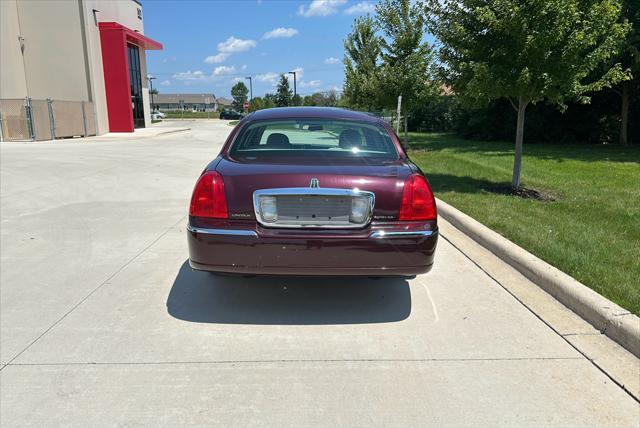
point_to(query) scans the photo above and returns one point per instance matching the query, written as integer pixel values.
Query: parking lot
(103, 321)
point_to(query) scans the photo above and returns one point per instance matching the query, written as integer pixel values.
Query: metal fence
(26, 119)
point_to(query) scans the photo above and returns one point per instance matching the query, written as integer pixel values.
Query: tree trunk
(517, 162)
(624, 114)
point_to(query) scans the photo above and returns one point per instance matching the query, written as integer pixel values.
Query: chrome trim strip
(381, 234)
(232, 232)
(320, 191)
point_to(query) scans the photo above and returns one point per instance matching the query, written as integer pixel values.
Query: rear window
(313, 137)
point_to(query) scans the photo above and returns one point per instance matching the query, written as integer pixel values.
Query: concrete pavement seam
(85, 298)
(329, 360)
(602, 369)
(170, 132)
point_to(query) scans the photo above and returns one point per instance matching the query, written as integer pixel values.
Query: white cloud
(216, 59)
(166, 83)
(223, 69)
(243, 68)
(191, 76)
(230, 46)
(321, 8)
(236, 80)
(300, 82)
(360, 8)
(299, 72)
(233, 45)
(280, 32)
(331, 60)
(270, 77)
(310, 84)
(198, 76)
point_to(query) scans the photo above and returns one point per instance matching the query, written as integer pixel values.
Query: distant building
(192, 102)
(225, 103)
(80, 63)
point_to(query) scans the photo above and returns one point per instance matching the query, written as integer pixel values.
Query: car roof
(312, 112)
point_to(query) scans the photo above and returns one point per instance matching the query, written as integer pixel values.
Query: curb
(612, 320)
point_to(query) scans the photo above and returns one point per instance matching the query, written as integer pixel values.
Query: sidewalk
(137, 134)
(152, 131)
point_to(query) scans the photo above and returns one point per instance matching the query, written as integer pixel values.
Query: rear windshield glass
(313, 137)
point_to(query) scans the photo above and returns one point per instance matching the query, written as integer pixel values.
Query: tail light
(418, 202)
(209, 199)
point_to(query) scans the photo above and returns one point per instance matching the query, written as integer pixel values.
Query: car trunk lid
(385, 178)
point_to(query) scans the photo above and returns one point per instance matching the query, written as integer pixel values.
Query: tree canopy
(284, 95)
(239, 93)
(534, 50)
(387, 56)
(269, 100)
(406, 56)
(527, 51)
(361, 61)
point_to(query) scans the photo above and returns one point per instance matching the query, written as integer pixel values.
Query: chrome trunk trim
(381, 234)
(232, 232)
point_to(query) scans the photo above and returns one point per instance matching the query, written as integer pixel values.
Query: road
(104, 323)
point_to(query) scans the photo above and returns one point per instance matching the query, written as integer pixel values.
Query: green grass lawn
(188, 114)
(592, 229)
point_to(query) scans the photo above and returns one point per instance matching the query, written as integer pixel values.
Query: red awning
(132, 36)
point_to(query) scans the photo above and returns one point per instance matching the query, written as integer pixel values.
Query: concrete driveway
(104, 323)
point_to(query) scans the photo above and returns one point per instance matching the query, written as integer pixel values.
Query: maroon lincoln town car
(312, 191)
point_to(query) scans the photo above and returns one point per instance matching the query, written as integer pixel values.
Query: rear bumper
(389, 249)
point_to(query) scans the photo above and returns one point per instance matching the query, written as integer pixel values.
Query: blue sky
(208, 45)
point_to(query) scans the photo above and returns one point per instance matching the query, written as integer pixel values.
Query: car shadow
(205, 298)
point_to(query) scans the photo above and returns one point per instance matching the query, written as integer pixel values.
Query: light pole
(295, 92)
(250, 88)
(151, 79)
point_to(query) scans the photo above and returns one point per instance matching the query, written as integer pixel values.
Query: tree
(379, 68)
(324, 99)
(283, 92)
(308, 101)
(526, 52)
(269, 100)
(239, 92)
(361, 62)
(406, 58)
(331, 98)
(256, 104)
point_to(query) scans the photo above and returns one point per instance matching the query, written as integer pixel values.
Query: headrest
(278, 140)
(349, 138)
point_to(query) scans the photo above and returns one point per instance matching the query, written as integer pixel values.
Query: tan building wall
(124, 12)
(54, 53)
(62, 53)
(12, 77)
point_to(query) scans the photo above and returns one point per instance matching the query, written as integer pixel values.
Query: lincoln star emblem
(314, 183)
